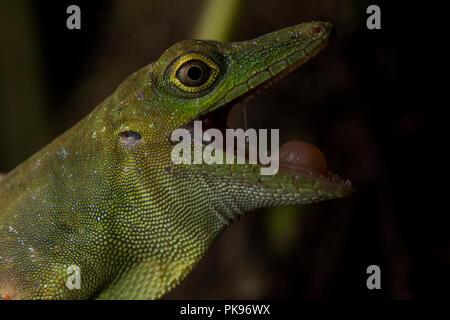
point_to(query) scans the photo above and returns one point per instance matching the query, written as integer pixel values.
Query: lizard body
(105, 195)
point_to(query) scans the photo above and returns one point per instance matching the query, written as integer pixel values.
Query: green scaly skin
(106, 196)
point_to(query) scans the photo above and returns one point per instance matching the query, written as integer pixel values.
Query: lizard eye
(194, 72)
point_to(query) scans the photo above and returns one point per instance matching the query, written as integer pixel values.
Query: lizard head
(203, 80)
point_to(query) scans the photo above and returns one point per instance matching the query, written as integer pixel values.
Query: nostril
(294, 35)
(317, 29)
(130, 138)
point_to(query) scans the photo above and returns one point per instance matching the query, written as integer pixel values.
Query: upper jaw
(255, 64)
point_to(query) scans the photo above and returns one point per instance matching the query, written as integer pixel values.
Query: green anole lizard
(106, 197)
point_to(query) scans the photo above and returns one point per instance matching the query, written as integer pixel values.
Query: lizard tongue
(300, 156)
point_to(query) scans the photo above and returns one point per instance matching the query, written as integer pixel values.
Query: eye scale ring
(194, 72)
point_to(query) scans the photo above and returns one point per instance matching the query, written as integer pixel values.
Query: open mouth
(298, 158)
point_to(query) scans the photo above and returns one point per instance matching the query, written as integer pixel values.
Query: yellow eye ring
(194, 72)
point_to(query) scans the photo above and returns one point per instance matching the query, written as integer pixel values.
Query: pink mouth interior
(300, 156)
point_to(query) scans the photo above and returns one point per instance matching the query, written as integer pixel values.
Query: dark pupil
(194, 73)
